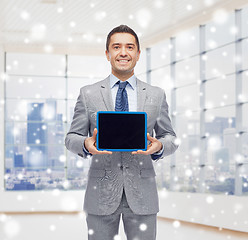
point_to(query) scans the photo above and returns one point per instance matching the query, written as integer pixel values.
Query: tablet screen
(121, 131)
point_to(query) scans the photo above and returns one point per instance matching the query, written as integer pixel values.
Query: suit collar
(107, 95)
(132, 81)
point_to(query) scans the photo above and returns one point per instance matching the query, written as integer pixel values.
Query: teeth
(123, 60)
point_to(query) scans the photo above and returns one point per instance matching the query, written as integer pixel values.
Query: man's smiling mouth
(123, 60)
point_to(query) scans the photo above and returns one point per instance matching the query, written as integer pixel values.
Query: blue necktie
(121, 101)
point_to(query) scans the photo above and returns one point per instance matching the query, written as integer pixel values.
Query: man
(121, 183)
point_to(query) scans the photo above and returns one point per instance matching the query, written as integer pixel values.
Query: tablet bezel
(120, 150)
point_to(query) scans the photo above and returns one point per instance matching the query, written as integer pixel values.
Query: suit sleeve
(79, 127)
(163, 129)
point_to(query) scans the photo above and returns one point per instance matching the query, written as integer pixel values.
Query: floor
(73, 227)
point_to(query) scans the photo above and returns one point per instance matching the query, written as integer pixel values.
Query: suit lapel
(106, 94)
(141, 95)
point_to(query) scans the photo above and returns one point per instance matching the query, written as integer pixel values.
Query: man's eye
(116, 47)
(130, 47)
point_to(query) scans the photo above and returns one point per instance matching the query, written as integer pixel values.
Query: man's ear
(107, 55)
(138, 55)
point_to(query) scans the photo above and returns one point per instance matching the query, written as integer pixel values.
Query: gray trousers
(137, 227)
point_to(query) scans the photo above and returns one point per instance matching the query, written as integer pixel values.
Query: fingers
(142, 152)
(104, 152)
(147, 152)
(93, 150)
(137, 152)
(151, 148)
(94, 133)
(150, 138)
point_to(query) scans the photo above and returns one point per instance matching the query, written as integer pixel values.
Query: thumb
(94, 133)
(150, 138)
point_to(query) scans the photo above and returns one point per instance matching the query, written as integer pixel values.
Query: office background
(195, 50)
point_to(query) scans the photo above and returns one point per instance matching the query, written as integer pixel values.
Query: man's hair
(122, 29)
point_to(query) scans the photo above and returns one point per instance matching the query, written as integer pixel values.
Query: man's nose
(123, 51)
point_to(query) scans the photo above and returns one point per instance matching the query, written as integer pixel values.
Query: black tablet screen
(121, 131)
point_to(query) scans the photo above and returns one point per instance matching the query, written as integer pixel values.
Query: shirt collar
(131, 81)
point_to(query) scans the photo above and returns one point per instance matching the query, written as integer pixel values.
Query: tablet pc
(121, 131)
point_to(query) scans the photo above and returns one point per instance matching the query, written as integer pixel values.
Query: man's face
(123, 54)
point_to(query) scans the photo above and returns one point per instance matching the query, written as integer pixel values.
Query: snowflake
(214, 143)
(99, 16)
(56, 192)
(52, 227)
(38, 31)
(69, 203)
(209, 199)
(188, 172)
(19, 197)
(66, 184)
(20, 176)
(177, 141)
(222, 178)
(62, 158)
(195, 152)
(143, 17)
(79, 163)
(3, 217)
(158, 3)
(60, 9)
(48, 48)
(11, 228)
(208, 3)
(143, 227)
(212, 44)
(189, 7)
(91, 232)
(220, 16)
(176, 224)
(25, 15)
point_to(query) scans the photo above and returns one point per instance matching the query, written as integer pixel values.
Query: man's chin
(124, 71)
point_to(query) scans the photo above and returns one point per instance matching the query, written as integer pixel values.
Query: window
(161, 78)
(187, 44)
(211, 105)
(220, 61)
(220, 31)
(40, 101)
(160, 54)
(187, 71)
(225, 94)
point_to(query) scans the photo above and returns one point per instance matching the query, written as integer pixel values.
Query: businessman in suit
(121, 183)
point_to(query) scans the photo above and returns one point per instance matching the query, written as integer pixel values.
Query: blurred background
(196, 50)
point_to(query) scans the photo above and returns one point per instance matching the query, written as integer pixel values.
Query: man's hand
(90, 144)
(154, 146)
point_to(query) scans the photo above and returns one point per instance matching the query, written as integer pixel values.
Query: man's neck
(123, 77)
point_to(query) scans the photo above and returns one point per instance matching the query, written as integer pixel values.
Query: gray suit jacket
(109, 174)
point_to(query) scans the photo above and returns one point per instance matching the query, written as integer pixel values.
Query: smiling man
(121, 183)
(123, 52)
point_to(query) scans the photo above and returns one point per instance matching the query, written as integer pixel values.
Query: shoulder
(151, 89)
(93, 87)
